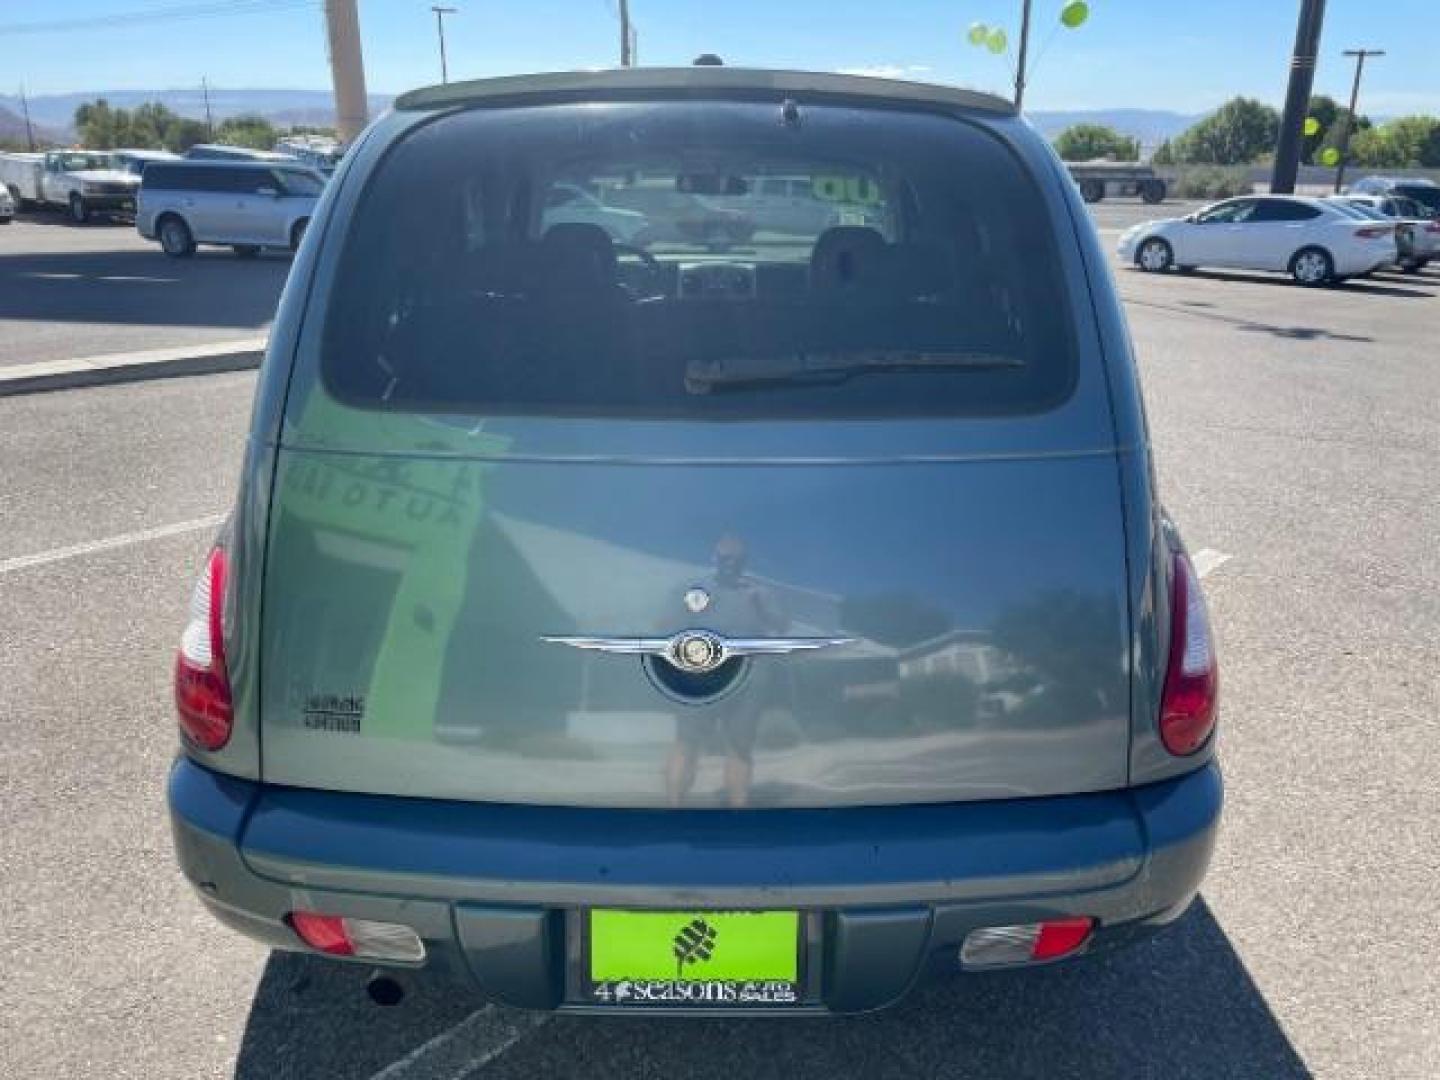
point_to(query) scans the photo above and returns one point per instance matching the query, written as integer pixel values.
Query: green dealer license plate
(694, 958)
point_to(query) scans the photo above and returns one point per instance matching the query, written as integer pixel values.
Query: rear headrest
(577, 257)
(847, 257)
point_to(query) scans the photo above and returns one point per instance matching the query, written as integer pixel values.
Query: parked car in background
(319, 152)
(81, 182)
(571, 203)
(1310, 239)
(134, 161)
(657, 628)
(222, 152)
(1425, 192)
(1416, 228)
(246, 205)
(7, 206)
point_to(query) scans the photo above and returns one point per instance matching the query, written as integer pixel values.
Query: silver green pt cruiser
(698, 551)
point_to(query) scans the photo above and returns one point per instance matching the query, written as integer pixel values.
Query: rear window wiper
(828, 368)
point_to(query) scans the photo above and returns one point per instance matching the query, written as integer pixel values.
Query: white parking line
(74, 551)
(470, 1045)
(1208, 560)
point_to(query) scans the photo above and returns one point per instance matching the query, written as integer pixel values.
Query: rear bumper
(887, 894)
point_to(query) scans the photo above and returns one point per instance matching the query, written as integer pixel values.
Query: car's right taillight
(202, 685)
(1190, 700)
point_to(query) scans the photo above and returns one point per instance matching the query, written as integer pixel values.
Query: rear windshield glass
(700, 260)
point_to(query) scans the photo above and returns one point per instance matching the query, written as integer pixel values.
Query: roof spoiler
(702, 80)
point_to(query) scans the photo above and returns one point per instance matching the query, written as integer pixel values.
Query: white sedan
(1315, 243)
(570, 204)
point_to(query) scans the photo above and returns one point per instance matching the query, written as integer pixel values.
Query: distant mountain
(286, 107)
(317, 107)
(1150, 126)
(12, 129)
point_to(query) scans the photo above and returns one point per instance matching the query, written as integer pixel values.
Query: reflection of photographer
(739, 606)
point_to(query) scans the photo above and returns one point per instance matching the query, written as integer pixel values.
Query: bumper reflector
(342, 936)
(1027, 943)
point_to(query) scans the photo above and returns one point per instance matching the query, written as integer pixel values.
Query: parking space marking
(470, 1045)
(74, 551)
(1208, 560)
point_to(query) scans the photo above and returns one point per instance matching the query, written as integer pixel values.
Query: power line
(172, 13)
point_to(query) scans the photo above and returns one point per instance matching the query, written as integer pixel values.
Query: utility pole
(1360, 55)
(209, 120)
(1297, 97)
(347, 69)
(29, 127)
(440, 13)
(627, 41)
(1024, 52)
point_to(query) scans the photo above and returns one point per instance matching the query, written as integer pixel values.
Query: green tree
(1164, 154)
(1409, 142)
(185, 133)
(150, 126)
(1238, 133)
(254, 132)
(1087, 142)
(100, 126)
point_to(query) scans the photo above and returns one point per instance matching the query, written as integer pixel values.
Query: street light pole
(1297, 97)
(1344, 148)
(440, 13)
(1024, 52)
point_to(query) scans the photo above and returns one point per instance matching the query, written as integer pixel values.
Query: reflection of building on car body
(80, 182)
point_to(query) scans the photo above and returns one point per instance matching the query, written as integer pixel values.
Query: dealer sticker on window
(694, 958)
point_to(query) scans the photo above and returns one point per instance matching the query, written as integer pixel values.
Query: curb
(131, 367)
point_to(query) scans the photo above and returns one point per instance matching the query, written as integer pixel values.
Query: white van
(247, 205)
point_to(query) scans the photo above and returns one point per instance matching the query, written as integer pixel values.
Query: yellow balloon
(1312, 126)
(1074, 14)
(997, 41)
(978, 33)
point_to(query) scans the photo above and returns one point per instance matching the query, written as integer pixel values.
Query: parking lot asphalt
(1297, 436)
(74, 291)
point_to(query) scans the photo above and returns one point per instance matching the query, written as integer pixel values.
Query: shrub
(1211, 183)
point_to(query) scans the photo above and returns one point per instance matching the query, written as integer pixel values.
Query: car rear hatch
(870, 444)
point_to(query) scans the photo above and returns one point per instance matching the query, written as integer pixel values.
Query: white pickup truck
(78, 181)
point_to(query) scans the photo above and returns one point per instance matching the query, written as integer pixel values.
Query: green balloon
(1330, 156)
(978, 33)
(997, 41)
(1312, 126)
(1075, 13)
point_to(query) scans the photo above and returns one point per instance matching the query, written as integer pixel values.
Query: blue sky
(1165, 54)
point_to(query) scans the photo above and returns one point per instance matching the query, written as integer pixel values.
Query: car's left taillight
(1190, 700)
(202, 684)
(1376, 232)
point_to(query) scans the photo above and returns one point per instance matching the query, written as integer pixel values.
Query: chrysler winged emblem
(697, 652)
